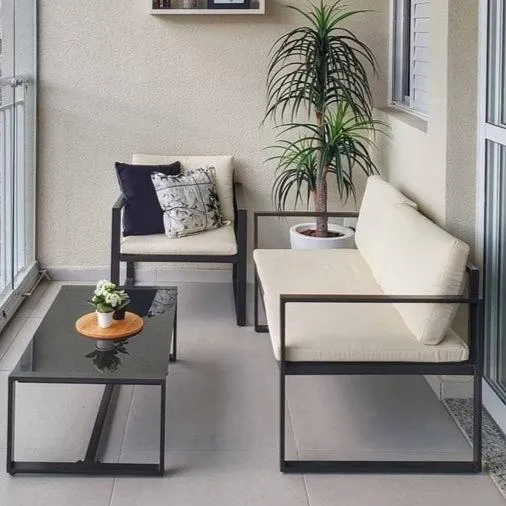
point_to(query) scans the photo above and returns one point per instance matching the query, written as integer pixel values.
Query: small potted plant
(106, 300)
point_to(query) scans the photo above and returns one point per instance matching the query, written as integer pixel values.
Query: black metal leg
(240, 289)
(282, 407)
(477, 421)
(115, 245)
(11, 410)
(130, 273)
(162, 428)
(258, 327)
(234, 281)
(240, 271)
(96, 433)
(173, 355)
(255, 302)
(115, 269)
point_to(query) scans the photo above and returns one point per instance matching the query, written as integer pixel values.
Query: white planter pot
(301, 241)
(104, 319)
(350, 223)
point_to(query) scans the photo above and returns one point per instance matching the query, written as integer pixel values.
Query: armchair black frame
(239, 260)
(471, 367)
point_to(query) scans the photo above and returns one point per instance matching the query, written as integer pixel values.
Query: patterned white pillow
(189, 202)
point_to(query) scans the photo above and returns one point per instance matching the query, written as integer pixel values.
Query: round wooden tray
(87, 326)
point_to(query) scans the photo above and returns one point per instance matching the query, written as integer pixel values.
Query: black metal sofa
(379, 321)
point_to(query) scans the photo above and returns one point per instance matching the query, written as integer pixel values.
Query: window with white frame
(410, 59)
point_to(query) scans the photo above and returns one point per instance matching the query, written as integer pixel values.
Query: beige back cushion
(422, 259)
(373, 220)
(223, 164)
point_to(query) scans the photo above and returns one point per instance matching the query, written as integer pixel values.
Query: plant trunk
(322, 222)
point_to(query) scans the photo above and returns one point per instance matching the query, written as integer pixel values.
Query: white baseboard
(143, 274)
(451, 387)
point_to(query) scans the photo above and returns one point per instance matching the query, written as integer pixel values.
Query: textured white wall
(435, 164)
(462, 119)
(414, 157)
(115, 80)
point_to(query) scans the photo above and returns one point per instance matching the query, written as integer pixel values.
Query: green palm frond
(321, 69)
(340, 148)
(319, 65)
(296, 170)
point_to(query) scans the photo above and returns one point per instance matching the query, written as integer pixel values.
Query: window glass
(496, 103)
(410, 59)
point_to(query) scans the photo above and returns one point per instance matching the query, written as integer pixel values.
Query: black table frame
(90, 464)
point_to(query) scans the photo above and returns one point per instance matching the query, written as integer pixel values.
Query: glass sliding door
(495, 261)
(6, 143)
(17, 157)
(25, 135)
(493, 150)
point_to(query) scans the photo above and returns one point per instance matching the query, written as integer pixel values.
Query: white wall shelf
(259, 9)
(175, 12)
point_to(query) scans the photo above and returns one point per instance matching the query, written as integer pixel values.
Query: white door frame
(486, 131)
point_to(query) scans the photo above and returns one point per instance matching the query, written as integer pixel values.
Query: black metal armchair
(158, 248)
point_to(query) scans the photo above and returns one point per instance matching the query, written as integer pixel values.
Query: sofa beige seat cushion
(221, 241)
(340, 332)
(314, 272)
(223, 164)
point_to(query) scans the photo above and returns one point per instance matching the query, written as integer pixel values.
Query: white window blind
(419, 68)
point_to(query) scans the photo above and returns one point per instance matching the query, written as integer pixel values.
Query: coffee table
(58, 354)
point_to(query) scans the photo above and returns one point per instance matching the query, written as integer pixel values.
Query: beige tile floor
(221, 426)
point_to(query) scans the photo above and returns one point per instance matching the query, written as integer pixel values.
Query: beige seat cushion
(422, 259)
(373, 220)
(213, 242)
(223, 164)
(339, 332)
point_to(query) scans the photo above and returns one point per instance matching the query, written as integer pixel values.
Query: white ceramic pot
(301, 241)
(104, 319)
(350, 223)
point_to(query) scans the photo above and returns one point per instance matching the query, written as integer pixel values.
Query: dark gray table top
(58, 353)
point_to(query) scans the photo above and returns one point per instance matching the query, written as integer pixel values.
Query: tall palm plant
(321, 69)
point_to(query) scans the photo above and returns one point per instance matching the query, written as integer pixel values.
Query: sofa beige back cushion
(223, 164)
(379, 197)
(422, 259)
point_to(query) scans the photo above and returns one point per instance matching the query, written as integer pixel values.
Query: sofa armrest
(116, 237)
(116, 215)
(120, 202)
(376, 299)
(241, 220)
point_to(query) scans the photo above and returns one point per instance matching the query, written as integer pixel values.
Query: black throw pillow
(142, 213)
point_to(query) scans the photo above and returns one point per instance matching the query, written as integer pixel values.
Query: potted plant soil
(319, 71)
